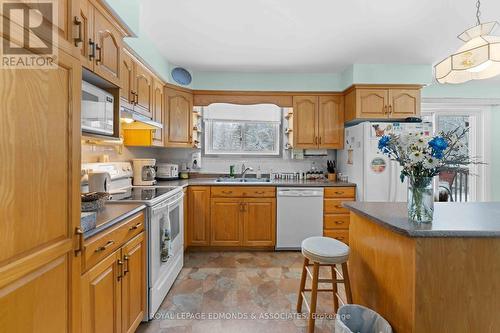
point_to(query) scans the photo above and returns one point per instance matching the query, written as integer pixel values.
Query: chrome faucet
(244, 170)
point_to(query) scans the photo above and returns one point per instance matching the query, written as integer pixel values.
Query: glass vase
(420, 200)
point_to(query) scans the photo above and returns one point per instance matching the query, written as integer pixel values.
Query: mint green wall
(266, 81)
(471, 89)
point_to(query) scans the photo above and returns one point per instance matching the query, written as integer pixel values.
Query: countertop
(277, 183)
(111, 214)
(451, 219)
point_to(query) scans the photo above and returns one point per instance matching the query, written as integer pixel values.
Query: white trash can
(352, 318)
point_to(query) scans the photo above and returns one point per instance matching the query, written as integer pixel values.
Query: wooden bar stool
(329, 252)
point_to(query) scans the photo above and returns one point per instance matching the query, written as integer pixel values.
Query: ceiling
(291, 36)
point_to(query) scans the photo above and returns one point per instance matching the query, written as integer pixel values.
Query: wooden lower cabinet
(248, 222)
(259, 222)
(336, 218)
(134, 255)
(113, 292)
(101, 296)
(199, 215)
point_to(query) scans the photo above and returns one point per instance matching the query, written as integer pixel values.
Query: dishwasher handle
(302, 192)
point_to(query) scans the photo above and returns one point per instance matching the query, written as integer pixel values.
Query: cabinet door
(158, 109)
(126, 78)
(259, 222)
(39, 209)
(305, 118)
(143, 89)
(225, 221)
(372, 103)
(101, 296)
(85, 33)
(179, 118)
(404, 103)
(133, 283)
(108, 48)
(199, 215)
(331, 122)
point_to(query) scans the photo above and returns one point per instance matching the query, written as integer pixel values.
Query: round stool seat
(325, 250)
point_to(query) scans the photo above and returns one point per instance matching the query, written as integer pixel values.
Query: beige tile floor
(242, 291)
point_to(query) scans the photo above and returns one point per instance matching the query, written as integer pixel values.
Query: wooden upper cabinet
(382, 102)
(134, 283)
(259, 222)
(373, 102)
(127, 78)
(305, 113)
(107, 48)
(143, 90)
(179, 121)
(38, 238)
(318, 122)
(331, 122)
(158, 111)
(225, 217)
(85, 28)
(101, 296)
(404, 103)
(199, 215)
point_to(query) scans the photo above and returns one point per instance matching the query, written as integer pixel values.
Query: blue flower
(438, 143)
(383, 143)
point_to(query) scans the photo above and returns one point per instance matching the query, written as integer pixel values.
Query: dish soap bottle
(258, 173)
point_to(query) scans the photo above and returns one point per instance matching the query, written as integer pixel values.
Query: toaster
(167, 171)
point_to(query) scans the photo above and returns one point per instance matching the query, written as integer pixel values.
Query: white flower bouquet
(422, 157)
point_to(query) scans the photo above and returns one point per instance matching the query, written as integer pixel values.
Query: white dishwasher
(300, 215)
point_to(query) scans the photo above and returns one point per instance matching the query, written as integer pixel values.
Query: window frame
(207, 143)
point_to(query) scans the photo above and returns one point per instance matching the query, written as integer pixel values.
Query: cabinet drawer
(334, 221)
(103, 244)
(341, 235)
(334, 206)
(243, 191)
(340, 192)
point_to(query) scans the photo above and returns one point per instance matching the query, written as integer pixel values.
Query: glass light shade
(478, 58)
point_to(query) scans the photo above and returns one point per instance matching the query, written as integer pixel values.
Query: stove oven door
(165, 249)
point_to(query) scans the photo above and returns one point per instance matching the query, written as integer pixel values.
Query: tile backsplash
(91, 153)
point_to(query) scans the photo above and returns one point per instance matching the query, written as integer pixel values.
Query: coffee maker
(144, 171)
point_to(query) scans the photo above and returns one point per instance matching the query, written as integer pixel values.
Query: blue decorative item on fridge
(181, 76)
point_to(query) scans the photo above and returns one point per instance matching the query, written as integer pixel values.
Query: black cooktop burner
(143, 193)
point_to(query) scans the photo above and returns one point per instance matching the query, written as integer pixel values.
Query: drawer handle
(135, 227)
(227, 192)
(339, 222)
(338, 206)
(339, 192)
(104, 247)
(260, 192)
(339, 238)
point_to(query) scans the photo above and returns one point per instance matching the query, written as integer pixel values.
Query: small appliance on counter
(144, 171)
(165, 171)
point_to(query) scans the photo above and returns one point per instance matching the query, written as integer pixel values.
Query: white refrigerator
(377, 178)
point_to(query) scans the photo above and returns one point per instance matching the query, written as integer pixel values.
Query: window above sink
(251, 130)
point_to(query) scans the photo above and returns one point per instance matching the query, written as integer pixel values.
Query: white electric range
(164, 226)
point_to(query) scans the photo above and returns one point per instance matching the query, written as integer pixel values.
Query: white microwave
(97, 110)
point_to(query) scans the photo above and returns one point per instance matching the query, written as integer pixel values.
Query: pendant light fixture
(478, 58)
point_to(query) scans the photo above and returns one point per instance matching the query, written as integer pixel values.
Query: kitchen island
(439, 277)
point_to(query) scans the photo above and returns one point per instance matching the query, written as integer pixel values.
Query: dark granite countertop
(451, 219)
(277, 183)
(111, 214)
